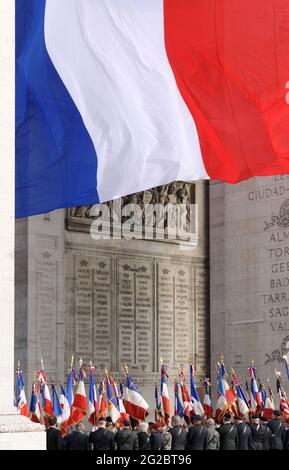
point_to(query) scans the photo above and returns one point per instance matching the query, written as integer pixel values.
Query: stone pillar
(249, 252)
(16, 432)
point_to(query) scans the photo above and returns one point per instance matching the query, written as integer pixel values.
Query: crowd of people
(236, 433)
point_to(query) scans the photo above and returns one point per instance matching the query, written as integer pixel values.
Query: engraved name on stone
(134, 315)
(173, 314)
(46, 285)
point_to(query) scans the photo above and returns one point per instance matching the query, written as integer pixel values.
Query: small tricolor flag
(79, 405)
(65, 411)
(256, 399)
(21, 401)
(112, 405)
(242, 404)
(179, 409)
(269, 407)
(207, 405)
(92, 400)
(198, 409)
(57, 410)
(166, 406)
(34, 409)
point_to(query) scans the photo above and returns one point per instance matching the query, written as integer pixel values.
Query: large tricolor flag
(163, 89)
(166, 406)
(134, 403)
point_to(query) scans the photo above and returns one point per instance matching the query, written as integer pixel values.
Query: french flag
(207, 405)
(167, 89)
(101, 400)
(112, 404)
(186, 399)
(21, 401)
(69, 387)
(222, 404)
(256, 399)
(269, 406)
(79, 405)
(243, 406)
(198, 409)
(123, 413)
(134, 403)
(34, 409)
(179, 409)
(65, 411)
(166, 406)
(57, 410)
(47, 408)
(92, 400)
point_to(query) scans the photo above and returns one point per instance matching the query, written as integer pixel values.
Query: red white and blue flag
(57, 410)
(242, 404)
(92, 399)
(65, 411)
(222, 404)
(34, 409)
(21, 401)
(186, 90)
(134, 403)
(101, 400)
(79, 405)
(112, 405)
(197, 405)
(256, 399)
(179, 409)
(269, 407)
(166, 406)
(207, 405)
(186, 399)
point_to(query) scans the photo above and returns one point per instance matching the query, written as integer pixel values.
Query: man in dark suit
(243, 432)
(258, 431)
(157, 436)
(77, 440)
(228, 434)
(54, 439)
(267, 435)
(278, 430)
(197, 437)
(179, 434)
(102, 438)
(125, 438)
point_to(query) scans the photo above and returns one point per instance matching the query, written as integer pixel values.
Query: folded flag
(114, 97)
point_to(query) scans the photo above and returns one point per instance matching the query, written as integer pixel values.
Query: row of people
(233, 434)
